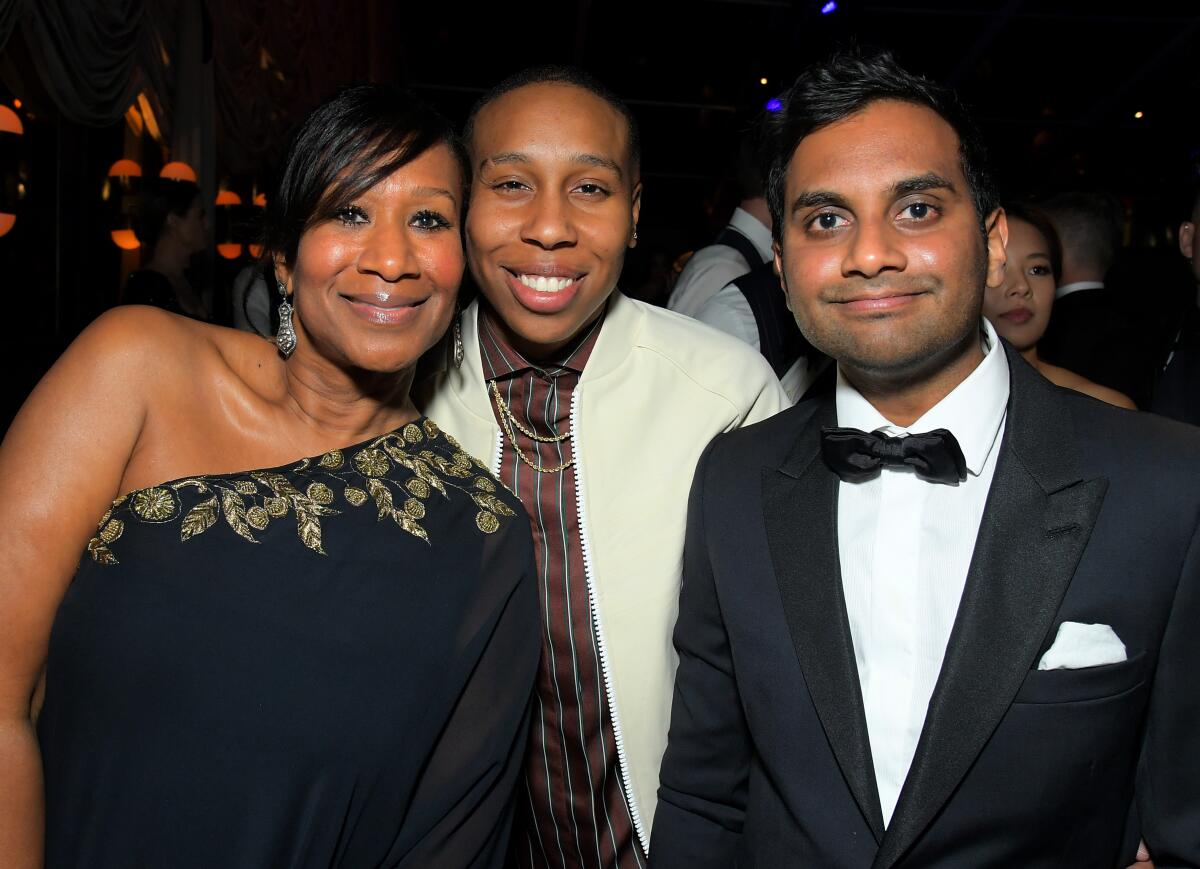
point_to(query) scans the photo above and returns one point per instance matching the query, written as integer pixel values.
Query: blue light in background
(831, 6)
(774, 105)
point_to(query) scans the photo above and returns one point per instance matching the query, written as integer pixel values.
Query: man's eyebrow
(818, 199)
(928, 181)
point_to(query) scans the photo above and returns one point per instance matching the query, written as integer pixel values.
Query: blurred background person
(251, 300)
(172, 225)
(1177, 393)
(1020, 307)
(743, 244)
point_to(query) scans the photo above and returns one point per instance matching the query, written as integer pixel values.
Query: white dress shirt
(905, 546)
(1067, 289)
(713, 267)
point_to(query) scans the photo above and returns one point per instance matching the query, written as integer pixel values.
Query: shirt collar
(501, 359)
(755, 230)
(1076, 286)
(973, 411)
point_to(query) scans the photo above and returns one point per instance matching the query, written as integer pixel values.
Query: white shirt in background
(712, 267)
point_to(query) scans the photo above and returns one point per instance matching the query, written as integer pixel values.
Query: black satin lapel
(1029, 545)
(800, 512)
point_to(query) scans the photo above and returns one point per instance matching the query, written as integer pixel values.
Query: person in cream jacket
(623, 398)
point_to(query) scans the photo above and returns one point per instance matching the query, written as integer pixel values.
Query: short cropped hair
(565, 75)
(1037, 218)
(1088, 225)
(345, 147)
(844, 85)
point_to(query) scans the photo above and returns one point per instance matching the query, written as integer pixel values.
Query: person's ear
(778, 252)
(283, 276)
(1187, 239)
(636, 213)
(996, 232)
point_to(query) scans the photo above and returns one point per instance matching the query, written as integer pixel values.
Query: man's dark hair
(844, 85)
(1089, 226)
(1037, 218)
(565, 75)
(158, 199)
(345, 147)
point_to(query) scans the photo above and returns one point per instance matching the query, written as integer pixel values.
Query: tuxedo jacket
(1092, 517)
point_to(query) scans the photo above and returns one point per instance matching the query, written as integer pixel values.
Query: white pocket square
(1079, 645)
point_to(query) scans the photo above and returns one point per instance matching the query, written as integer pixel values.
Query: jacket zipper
(630, 796)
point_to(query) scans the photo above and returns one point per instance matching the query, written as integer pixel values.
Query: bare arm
(61, 464)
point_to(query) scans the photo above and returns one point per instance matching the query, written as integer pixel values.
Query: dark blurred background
(1071, 95)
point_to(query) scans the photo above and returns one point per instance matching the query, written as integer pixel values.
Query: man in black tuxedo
(1177, 392)
(966, 634)
(1100, 328)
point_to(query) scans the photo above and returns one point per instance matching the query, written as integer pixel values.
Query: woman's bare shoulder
(1071, 380)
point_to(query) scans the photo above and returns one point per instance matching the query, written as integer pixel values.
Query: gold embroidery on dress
(249, 504)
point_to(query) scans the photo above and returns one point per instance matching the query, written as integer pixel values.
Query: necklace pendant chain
(509, 420)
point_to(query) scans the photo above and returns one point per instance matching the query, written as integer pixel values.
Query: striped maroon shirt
(572, 812)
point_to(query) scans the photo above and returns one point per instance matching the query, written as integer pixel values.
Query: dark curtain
(10, 11)
(86, 53)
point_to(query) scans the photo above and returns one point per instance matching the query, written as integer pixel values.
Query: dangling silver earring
(459, 353)
(285, 338)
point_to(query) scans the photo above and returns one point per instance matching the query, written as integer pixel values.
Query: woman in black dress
(304, 631)
(172, 227)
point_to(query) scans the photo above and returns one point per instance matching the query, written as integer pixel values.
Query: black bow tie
(858, 455)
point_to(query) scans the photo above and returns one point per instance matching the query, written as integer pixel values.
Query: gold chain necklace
(507, 418)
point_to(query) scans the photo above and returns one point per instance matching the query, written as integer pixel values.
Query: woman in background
(1019, 308)
(172, 227)
(304, 632)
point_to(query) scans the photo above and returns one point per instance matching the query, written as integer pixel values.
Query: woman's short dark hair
(1037, 218)
(552, 73)
(345, 147)
(158, 199)
(844, 85)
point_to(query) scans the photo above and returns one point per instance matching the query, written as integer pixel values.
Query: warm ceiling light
(17, 104)
(229, 250)
(9, 122)
(261, 200)
(6, 222)
(178, 171)
(228, 197)
(1138, 114)
(125, 168)
(255, 250)
(762, 80)
(125, 239)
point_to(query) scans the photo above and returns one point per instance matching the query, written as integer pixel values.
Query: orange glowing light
(228, 197)
(229, 250)
(125, 239)
(9, 122)
(255, 250)
(1139, 114)
(178, 171)
(17, 104)
(6, 222)
(261, 200)
(125, 168)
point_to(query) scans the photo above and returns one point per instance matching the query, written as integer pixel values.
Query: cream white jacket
(656, 389)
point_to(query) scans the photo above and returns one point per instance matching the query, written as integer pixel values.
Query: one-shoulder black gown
(325, 664)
